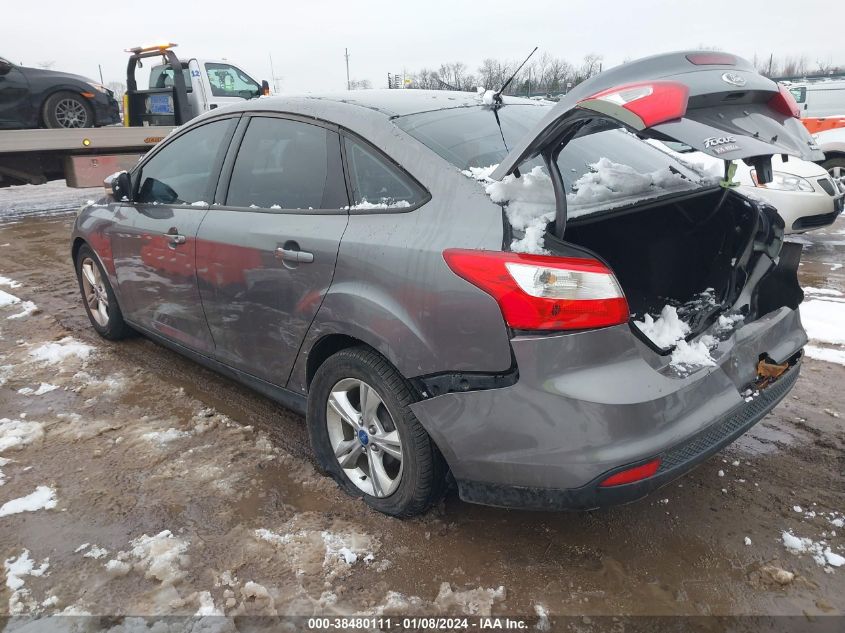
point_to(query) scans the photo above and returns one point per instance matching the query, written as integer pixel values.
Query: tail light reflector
(653, 102)
(785, 103)
(629, 476)
(540, 292)
(711, 59)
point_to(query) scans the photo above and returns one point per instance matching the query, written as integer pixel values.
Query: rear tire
(67, 110)
(98, 297)
(366, 438)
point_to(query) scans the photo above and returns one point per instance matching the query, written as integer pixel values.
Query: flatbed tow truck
(85, 156)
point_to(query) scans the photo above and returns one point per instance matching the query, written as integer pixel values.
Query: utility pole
(101, 74)
(346, 55)
(273, 74)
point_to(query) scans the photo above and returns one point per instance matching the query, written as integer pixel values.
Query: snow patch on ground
(7, 300)
(39, 391)
(165, 437)
(822, 316)
(42, 498)
(314, 551)
(58, 351)
(819, 550)
(160, 557)
(5, 281)
(20, 601)
(15, 434)
(28, 308)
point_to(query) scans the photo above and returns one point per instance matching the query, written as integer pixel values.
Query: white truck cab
(178, 90)
(210, 83)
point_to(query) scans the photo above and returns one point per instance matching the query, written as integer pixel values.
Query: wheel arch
(45, 96)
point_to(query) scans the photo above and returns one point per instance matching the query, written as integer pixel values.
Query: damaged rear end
(647, 335)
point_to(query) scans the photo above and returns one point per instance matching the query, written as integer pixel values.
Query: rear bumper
(674, 462)
(591, 403)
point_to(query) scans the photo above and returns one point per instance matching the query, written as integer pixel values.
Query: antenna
(497, 98)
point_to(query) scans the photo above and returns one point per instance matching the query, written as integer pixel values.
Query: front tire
(67, 110)
(836, 168)
(98, 297)
(366, 437)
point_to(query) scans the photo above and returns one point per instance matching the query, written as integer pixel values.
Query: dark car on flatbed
(36, 97)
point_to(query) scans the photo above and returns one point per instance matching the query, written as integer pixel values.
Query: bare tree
(590, 66)
(360, 84)
(118, 88)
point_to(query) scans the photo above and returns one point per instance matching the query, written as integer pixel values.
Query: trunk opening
(692, 254)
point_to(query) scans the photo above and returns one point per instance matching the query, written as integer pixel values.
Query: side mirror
(265, 88)
(119, 186)
(5, 67)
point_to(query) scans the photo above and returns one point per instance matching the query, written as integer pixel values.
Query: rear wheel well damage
(324, 348)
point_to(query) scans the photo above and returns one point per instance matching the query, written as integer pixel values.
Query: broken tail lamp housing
(785, 103)
(653, 102)
(540, 292)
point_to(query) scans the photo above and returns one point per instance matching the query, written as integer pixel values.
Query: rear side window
(284, 164)
(181, 172)
(376, 183)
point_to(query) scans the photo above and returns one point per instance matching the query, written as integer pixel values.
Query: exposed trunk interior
(671, 253)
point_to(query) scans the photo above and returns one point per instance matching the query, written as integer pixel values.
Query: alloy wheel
(71, 113)
(364, 437)
(837, 173)
(95, 292)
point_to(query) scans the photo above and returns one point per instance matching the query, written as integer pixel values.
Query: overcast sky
(307, 38)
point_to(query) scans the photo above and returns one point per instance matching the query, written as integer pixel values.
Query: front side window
(181, 172)
(376, 183)
(228, 81)
(800, 94)
(284, 164)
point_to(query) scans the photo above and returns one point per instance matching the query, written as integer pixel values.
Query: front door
(15, 106)
(266, 251)
(154, 241)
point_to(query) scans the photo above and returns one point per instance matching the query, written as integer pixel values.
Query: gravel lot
(190, 492)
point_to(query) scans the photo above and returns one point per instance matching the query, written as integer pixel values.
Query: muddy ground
(136, 441)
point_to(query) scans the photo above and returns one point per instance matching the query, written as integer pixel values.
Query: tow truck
(178, 91)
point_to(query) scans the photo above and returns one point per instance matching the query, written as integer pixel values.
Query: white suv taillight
(540, 292)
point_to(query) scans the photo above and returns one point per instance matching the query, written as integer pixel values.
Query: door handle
(174, 238)
(292, 255)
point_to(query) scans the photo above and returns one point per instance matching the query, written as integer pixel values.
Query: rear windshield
(162, 76)
(471, 138)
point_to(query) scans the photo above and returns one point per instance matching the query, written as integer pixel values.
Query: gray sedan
(528, 296)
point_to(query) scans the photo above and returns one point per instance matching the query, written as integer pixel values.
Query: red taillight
(653, 101)
(711, 59)
(637, 473)
(539, 292)
(785, 103)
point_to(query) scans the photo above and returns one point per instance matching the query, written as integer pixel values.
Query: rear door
(713, 102)
(154, 240)
(266, 250)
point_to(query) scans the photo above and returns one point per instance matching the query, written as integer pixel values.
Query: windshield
(229, 81)
(470, 137)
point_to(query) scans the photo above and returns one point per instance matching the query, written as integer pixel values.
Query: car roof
(392, 103)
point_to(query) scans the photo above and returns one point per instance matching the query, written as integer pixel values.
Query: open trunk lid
(713, 102)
